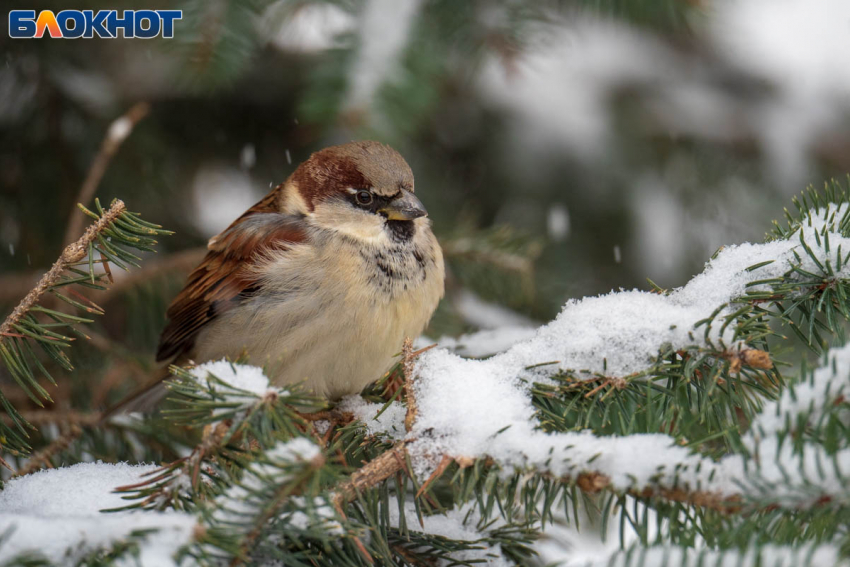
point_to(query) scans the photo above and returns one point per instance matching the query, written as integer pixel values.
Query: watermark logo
(73, 24)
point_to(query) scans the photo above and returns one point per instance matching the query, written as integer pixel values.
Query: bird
(320, 282)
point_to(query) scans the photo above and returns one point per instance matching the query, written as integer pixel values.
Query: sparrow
(319, 282)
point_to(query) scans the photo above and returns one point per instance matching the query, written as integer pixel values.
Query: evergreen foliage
(270, 476)
(274, 475)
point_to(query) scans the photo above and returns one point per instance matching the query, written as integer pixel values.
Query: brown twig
(372, 473)
(74, 252)
(115, 136)
(392, 461)
(407, 368)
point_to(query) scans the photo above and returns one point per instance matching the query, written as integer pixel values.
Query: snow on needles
(620, 333)
(247, 384)
(243, 377)
(56, 514)
(476, 408)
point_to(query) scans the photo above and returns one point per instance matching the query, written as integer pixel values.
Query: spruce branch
(105, 241)
(72, 254)
(370, 475)
(237, 424)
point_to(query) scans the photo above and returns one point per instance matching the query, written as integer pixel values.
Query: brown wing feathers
(216, 284)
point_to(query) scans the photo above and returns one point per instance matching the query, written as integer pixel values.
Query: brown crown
(358, 165)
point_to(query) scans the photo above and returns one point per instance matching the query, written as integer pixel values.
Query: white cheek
(344, 219)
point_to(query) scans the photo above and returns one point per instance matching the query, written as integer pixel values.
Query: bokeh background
(563, 148)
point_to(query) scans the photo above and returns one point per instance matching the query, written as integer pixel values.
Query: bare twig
(115, 136)
(74, 252)
(372, 473)
(407, 368)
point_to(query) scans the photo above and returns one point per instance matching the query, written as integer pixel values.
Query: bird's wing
(217, 283)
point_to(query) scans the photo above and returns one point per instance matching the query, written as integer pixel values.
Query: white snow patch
(56, 513)
(244, 499)
(823, 388)
(558, 222)
(242, 376)
(457, 524)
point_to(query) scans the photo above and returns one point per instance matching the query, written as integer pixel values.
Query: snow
(620, 333)
(119, 130)
(241, 376)
(561, 89)
(558, 222)
(322, 511)
(477, 408)
(826, 385)
(65, 503)
(500, 424)
(457, 524)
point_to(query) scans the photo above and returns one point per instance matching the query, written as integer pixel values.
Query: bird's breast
(332, 317)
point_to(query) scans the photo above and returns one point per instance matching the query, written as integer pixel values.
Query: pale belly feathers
(336, 319)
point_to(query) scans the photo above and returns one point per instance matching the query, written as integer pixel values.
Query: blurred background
(563, 148)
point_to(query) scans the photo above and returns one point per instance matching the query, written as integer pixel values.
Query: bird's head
(363, 190)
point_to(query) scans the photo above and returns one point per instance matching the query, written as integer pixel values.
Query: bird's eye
(364, 197)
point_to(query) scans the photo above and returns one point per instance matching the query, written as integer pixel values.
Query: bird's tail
(144, 400)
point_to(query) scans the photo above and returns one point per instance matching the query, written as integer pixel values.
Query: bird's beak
(404, 207)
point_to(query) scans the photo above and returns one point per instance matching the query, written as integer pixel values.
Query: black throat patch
(401, 230)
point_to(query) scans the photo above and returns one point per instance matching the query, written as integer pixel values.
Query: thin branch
(407, 368)
(371, 474)
(115, 136)
(74, 252)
